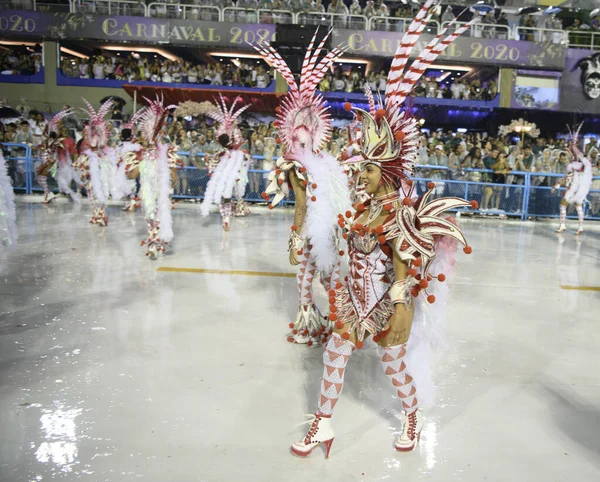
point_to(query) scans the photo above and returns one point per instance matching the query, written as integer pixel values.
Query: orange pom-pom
(379, 229)
(409, 182)
(380, 114)
(332, 308)
(332, 317)
(291, 325)
(388, 207)
(339, 325)
(345, 156)
(341, 223)
(345, 235)
(399, 136)
(338, 286)
(293, 227)
(414, 292)
(302, 170)
(347, 106)
(270, 206)
(305, 183)
(295, 332)
(406, 201)
(417, 262)
(423, 283)
(412, 272)
(468, 250)
(280, 181)
(313, 198)
(358, 226)
(359, 344)
(348, 214)
(313, 186)
(278, 140)
(431, 299)
(474, 205)
(376, 338)
(341, 252)
(360, 207)
(331, 292)
(382, 239)
(300, 252)
(441, 277)
(430, 185)
(309, 343)
(346, 335)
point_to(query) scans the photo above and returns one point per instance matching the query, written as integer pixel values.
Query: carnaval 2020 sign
(202, 33)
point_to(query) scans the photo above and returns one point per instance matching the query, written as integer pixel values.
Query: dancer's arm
(299, 212)
(401, 321)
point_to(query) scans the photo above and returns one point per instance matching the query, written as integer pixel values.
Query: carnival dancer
(127, 148)
(157, 170)
(400, 248)
(228, 168)
(56, 152)
(97, 162)
(578, 182)
(7, 207)
(319, 183)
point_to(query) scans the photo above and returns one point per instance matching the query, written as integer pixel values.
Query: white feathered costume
(305, 128)
(7, 207)
(228, 168)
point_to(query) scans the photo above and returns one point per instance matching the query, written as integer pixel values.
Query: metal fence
(527, 195)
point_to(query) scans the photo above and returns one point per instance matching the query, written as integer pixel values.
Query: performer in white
(157, 169)
(320, 186)
(7, 207)
(228, 168)
(578, 182)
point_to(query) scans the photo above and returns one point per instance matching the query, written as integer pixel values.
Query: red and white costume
(228, 168)
(56, 154)
(305, 127)
(97, 163)
(578, 182)
(413, 232)
(155, 165)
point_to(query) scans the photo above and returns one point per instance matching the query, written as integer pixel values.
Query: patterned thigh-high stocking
(580, 216)
(563, 214)
(310, 324)
(155, 244)
(392, 360)
(225, 210)
(335, 358)
(99, 216)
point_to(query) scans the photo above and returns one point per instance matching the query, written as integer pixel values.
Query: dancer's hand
(397, 329)
(294, 261)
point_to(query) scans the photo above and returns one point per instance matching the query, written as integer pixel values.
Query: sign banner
(580, 82)
(58, 26)
(509, 53)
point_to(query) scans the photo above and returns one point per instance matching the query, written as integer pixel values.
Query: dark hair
(24, 123)
(53, 135)
(126, 134)
(223, 140)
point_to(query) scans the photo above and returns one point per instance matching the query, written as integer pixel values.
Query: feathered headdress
(303, 119)
(389, 137)
(574, 141)
(153, 117)
(133, 120)
(55, 123)
(97, 132)
(227, 117)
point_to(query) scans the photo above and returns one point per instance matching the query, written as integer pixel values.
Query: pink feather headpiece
(55, 123)
(152, 118)
(303, 118)
(227, 119)
(97, 132)
(390, 138)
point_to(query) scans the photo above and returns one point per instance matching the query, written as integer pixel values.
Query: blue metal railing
(524, 200)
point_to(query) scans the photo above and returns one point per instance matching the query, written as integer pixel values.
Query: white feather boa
(428, 331)
(332, 198)
(580, 184)
(8, 215)
(103, 174)
(155, 189)
(222, 180)
(124, 186)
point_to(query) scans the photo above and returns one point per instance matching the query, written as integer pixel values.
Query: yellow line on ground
(580, 288)
(225, 271)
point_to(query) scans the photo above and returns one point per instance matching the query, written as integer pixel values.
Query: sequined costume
(578, 183)
(401, 249)
(228, 167)
(56, 153)
(320, 184)
(156, 166)
(97, 163)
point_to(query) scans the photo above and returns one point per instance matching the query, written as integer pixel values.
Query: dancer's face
(371, 179)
